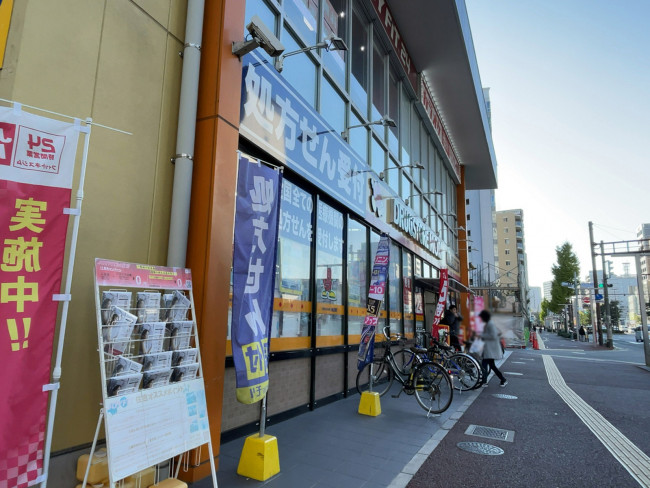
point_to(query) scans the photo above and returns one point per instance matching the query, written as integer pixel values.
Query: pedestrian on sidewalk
(453, 319)
(492, 348)
(581, 331)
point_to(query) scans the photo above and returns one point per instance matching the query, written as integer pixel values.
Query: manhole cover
(491, 433)
(513, 373)
(480, 448)
(504, 396)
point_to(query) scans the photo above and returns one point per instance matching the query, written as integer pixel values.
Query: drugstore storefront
(349, 176)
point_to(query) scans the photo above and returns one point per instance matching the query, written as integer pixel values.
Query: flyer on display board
(154, 396)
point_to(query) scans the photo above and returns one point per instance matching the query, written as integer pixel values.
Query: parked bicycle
(427, 380)
(465, 371)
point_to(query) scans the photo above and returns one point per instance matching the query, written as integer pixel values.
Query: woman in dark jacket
(491, 349)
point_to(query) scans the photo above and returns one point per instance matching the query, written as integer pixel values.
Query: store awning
(433, 284)
(439, 40)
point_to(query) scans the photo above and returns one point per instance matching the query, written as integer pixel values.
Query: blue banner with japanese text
(376, 294)
(254, 254)
(279, 120)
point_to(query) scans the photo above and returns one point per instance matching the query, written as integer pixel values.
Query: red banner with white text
(442, 301)
(37, 158)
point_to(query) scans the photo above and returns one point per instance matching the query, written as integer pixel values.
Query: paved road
(580, 419)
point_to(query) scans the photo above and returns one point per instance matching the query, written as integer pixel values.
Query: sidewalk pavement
(335, 446)
(550, 445)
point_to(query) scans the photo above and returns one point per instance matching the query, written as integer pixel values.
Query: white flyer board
(151, 426)
(154, 405)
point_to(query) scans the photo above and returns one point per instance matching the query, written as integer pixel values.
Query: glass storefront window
(392, 175)
(393, 112)
(303, 15)
(359, 54)
(378, 82)
(407, 294)
(357, 246)
(332, 106)
(404, 123)
(406, 186)
(359, 138)
(299, 71)
(395, 289)
(329, 276)
(292, 304)
(378, 156)
(335, 24)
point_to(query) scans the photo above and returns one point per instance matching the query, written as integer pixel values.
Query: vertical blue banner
(254, 253)
(376, 294)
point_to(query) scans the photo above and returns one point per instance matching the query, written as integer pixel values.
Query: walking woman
(492, 348)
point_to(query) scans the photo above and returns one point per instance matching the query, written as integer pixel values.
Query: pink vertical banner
(37, 158)
(477, 324)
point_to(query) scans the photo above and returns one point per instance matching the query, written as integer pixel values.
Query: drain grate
(491, 433)
(504, 396)
(480, 448)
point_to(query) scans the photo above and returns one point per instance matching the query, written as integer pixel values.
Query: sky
(570, 93)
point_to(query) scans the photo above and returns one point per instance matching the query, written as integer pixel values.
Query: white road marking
(631, 457)
(595, 359)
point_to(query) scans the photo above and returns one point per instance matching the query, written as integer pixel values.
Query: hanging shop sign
(403, 217)
(255, 245)
(375, 297)
(37, 157)
(282, 123)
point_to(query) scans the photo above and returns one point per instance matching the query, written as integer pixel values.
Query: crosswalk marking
(631, 457)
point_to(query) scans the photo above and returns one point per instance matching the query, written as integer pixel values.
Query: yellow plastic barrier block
(98, 467)
(259, 458)
(369, 404)
(170, 483)
(144, 478)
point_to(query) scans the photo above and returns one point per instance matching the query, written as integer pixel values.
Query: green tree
(565, 270)
(543, 313)
(585, 317)
(614, 312)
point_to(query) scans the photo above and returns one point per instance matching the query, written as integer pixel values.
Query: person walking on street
(491, 349)
(582, 333)
(453, 319)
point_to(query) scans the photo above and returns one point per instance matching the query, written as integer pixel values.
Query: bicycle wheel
(465, 371)
(381, 375)
(433, 388)
(404, 360)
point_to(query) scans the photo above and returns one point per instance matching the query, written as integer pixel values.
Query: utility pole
(597, 326)
(608, 322)
(576, 311)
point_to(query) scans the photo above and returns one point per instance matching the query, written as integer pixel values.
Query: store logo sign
(404, 219)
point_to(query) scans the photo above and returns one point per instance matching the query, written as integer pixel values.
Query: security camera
(261, 37)
(265, 37)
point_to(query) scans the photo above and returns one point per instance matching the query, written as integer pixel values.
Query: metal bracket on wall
(182, 155)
